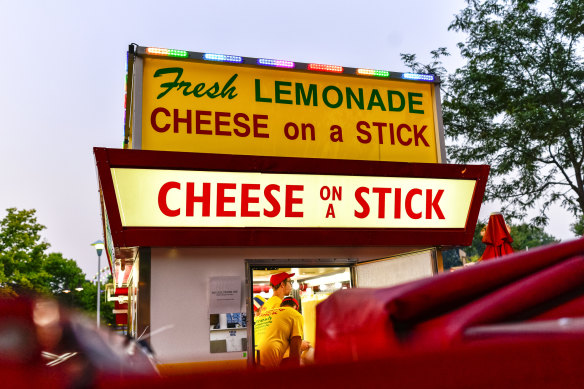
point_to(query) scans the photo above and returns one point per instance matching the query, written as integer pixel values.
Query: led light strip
(167, 52)
(223, 58)
(276, 63)
(417, 76)
(371, 72)
(288, 64)
(325, 68)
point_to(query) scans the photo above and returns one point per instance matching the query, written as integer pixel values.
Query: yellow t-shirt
(259, 322)
(273, 302)
(276, 329)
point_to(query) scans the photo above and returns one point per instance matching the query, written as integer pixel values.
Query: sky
(62, 75)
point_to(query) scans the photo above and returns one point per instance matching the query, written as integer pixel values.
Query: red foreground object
(513, 323)
(43, 345)
(497, 238)
(455, 310)
(517, 322)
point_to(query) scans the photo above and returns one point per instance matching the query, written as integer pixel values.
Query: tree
(526, 236)
(26, 268)
(578, 227)
(518, 103)
(22, 254)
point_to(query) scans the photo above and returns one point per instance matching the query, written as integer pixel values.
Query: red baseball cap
(278, 278)
(289, 298)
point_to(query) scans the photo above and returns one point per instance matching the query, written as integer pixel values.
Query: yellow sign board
(179, 198)
(201, 106)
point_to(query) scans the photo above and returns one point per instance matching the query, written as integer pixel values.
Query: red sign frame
(189, 236)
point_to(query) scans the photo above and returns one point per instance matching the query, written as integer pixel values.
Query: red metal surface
(436, 314)
(534, 363)
(168, 237)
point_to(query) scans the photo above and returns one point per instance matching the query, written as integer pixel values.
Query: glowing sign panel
(168, 198)
(205, 106)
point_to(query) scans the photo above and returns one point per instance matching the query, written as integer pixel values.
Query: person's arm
(295, 345)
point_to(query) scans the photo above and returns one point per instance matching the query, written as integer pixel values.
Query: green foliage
(477, 248)
(518, 102)
(523, 235)
(26, 268)
(528, 236)
(578, 227)
(22, 254)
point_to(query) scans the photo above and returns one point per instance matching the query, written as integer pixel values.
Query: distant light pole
(98, 244)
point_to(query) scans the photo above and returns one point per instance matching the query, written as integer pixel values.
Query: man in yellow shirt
(280, 328)
(281, 283)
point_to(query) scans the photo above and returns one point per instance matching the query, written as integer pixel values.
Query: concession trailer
(236, 168)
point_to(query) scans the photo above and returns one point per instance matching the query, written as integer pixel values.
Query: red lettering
(330, 211)
(204, 199)
(219, 123)
(246, 199)
(162, 193)
(381, 192)
(380, 127)
(408, 203)
(399, 134)
(245, 126)
(272, 200)
(200, 121)
(432, 203)
(419, 135)
(153, 119)
(391, 134)
(222, 199)
(397, 203)
(364, 132)
(257, 126)
(187, 120)
(291, 200)
(362, 202)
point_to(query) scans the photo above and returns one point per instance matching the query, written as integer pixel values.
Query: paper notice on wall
(225, 294)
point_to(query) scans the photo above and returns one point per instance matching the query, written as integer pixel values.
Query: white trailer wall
(180, 291)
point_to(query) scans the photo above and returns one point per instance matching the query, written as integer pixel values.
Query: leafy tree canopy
(518, 102)
(26, 268)
(525, 236)
(22, 254)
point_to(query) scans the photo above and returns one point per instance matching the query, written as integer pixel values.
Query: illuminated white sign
(175, 198)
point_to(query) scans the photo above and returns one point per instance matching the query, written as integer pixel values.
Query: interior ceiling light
(340, 277)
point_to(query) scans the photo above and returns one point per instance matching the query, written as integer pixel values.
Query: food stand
(235, 168)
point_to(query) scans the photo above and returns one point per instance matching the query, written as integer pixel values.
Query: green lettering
(257, 93)
(413, 102)
(375, 101)
(351, 96)
(301, 95)
(185, 85)
(279, 91)
(390, 106)
(213, 91)
(198, 88)
(339, 96)
(228, 90)
(168, 85)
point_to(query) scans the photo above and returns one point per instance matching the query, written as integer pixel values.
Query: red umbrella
(497, 238)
